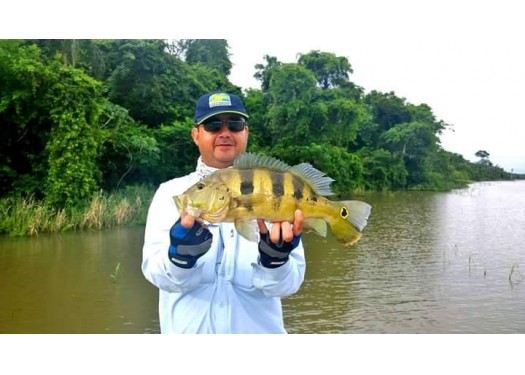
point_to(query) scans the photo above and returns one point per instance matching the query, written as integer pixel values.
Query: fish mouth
(179, 202)
(193, 211)
(187, 206)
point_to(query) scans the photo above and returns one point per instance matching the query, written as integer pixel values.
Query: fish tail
(349, 220)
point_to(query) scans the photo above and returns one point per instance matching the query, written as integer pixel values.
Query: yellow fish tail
(349, 220)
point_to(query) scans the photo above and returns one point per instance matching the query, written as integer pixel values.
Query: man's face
(220, 145)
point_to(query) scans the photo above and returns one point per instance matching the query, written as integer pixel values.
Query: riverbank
(30, 217)
(21, 217)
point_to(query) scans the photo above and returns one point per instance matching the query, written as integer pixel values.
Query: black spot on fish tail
(247, 182)
(278, 184)
(297, 188)
(314, 198)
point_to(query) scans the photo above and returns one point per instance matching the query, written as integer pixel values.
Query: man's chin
(225, 154)
(225, 151)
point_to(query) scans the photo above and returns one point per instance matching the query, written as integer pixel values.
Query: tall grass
(30, 217)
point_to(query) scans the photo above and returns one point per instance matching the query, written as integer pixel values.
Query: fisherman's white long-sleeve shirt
(227, 291)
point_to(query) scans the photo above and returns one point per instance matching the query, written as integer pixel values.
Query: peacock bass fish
(259, 186)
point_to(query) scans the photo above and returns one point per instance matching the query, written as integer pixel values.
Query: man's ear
(195, 135)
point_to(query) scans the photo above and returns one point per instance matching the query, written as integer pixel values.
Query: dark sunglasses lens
(233, 126)
(213, 126)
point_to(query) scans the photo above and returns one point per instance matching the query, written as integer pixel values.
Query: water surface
(427, 263)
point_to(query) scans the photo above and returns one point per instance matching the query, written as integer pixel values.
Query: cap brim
(220, 112)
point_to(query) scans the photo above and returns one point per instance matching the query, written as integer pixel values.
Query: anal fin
(248, 229)
(317, 225)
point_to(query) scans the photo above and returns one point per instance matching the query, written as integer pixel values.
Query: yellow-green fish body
(259, 186)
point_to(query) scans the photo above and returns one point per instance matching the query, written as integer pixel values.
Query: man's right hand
(189, 240)
(186, 220)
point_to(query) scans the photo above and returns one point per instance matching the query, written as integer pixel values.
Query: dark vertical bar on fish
(298, 187)
(277, 184)
(277, 189)
(247, 182)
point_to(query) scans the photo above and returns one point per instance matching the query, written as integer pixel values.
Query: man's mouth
(224, 145)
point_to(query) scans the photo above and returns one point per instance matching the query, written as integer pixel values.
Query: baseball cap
(215, 103)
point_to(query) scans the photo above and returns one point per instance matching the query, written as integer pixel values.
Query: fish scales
(258, 186)
(264, 192)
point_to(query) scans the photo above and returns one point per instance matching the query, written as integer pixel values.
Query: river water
(428, 262)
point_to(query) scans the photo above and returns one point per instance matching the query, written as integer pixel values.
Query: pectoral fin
(317, 225)
(248, 229)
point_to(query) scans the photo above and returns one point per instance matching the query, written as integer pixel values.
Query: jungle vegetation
(84, 121)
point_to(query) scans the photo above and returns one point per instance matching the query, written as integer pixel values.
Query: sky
(465, 59)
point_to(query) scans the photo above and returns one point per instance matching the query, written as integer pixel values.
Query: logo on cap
(220, 99)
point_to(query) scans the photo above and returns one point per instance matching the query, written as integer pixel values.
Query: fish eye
(344, 212)
(200, 186)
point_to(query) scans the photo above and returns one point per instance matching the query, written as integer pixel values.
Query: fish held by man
(259, 186)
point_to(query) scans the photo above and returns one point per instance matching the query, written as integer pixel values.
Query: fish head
(209, 201)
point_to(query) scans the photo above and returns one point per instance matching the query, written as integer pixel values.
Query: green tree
(178, 154)
(50, 113)
(293, 116)
(259, 134)
(212, 53)
(409, 140)
(147, 82)
(24, 118)
(74, 144)
(345, 118)
(157, 87)
(129, 149)
(382, 170)
(264, 71)
(345, 168)
(387, 110)
(330, 70)
(86, 54)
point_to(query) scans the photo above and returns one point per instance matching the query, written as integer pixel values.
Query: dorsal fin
(314, 177)
(248, 160)
(317, 180)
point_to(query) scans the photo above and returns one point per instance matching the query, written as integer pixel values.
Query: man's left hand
(276, 245)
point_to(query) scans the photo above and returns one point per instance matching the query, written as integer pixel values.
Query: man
(213, 280)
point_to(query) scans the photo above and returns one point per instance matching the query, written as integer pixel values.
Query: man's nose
(224, 128)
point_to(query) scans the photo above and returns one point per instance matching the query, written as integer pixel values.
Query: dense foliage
(78, 116)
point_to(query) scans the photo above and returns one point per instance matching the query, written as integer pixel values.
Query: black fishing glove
(274, 255)
(188, 244)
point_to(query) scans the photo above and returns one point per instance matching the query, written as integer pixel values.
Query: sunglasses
(214, 125)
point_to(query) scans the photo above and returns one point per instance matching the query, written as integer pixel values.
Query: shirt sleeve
(284, 280)
(156, 266)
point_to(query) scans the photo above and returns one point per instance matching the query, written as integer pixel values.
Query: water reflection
(427, 263)
(63, 284)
